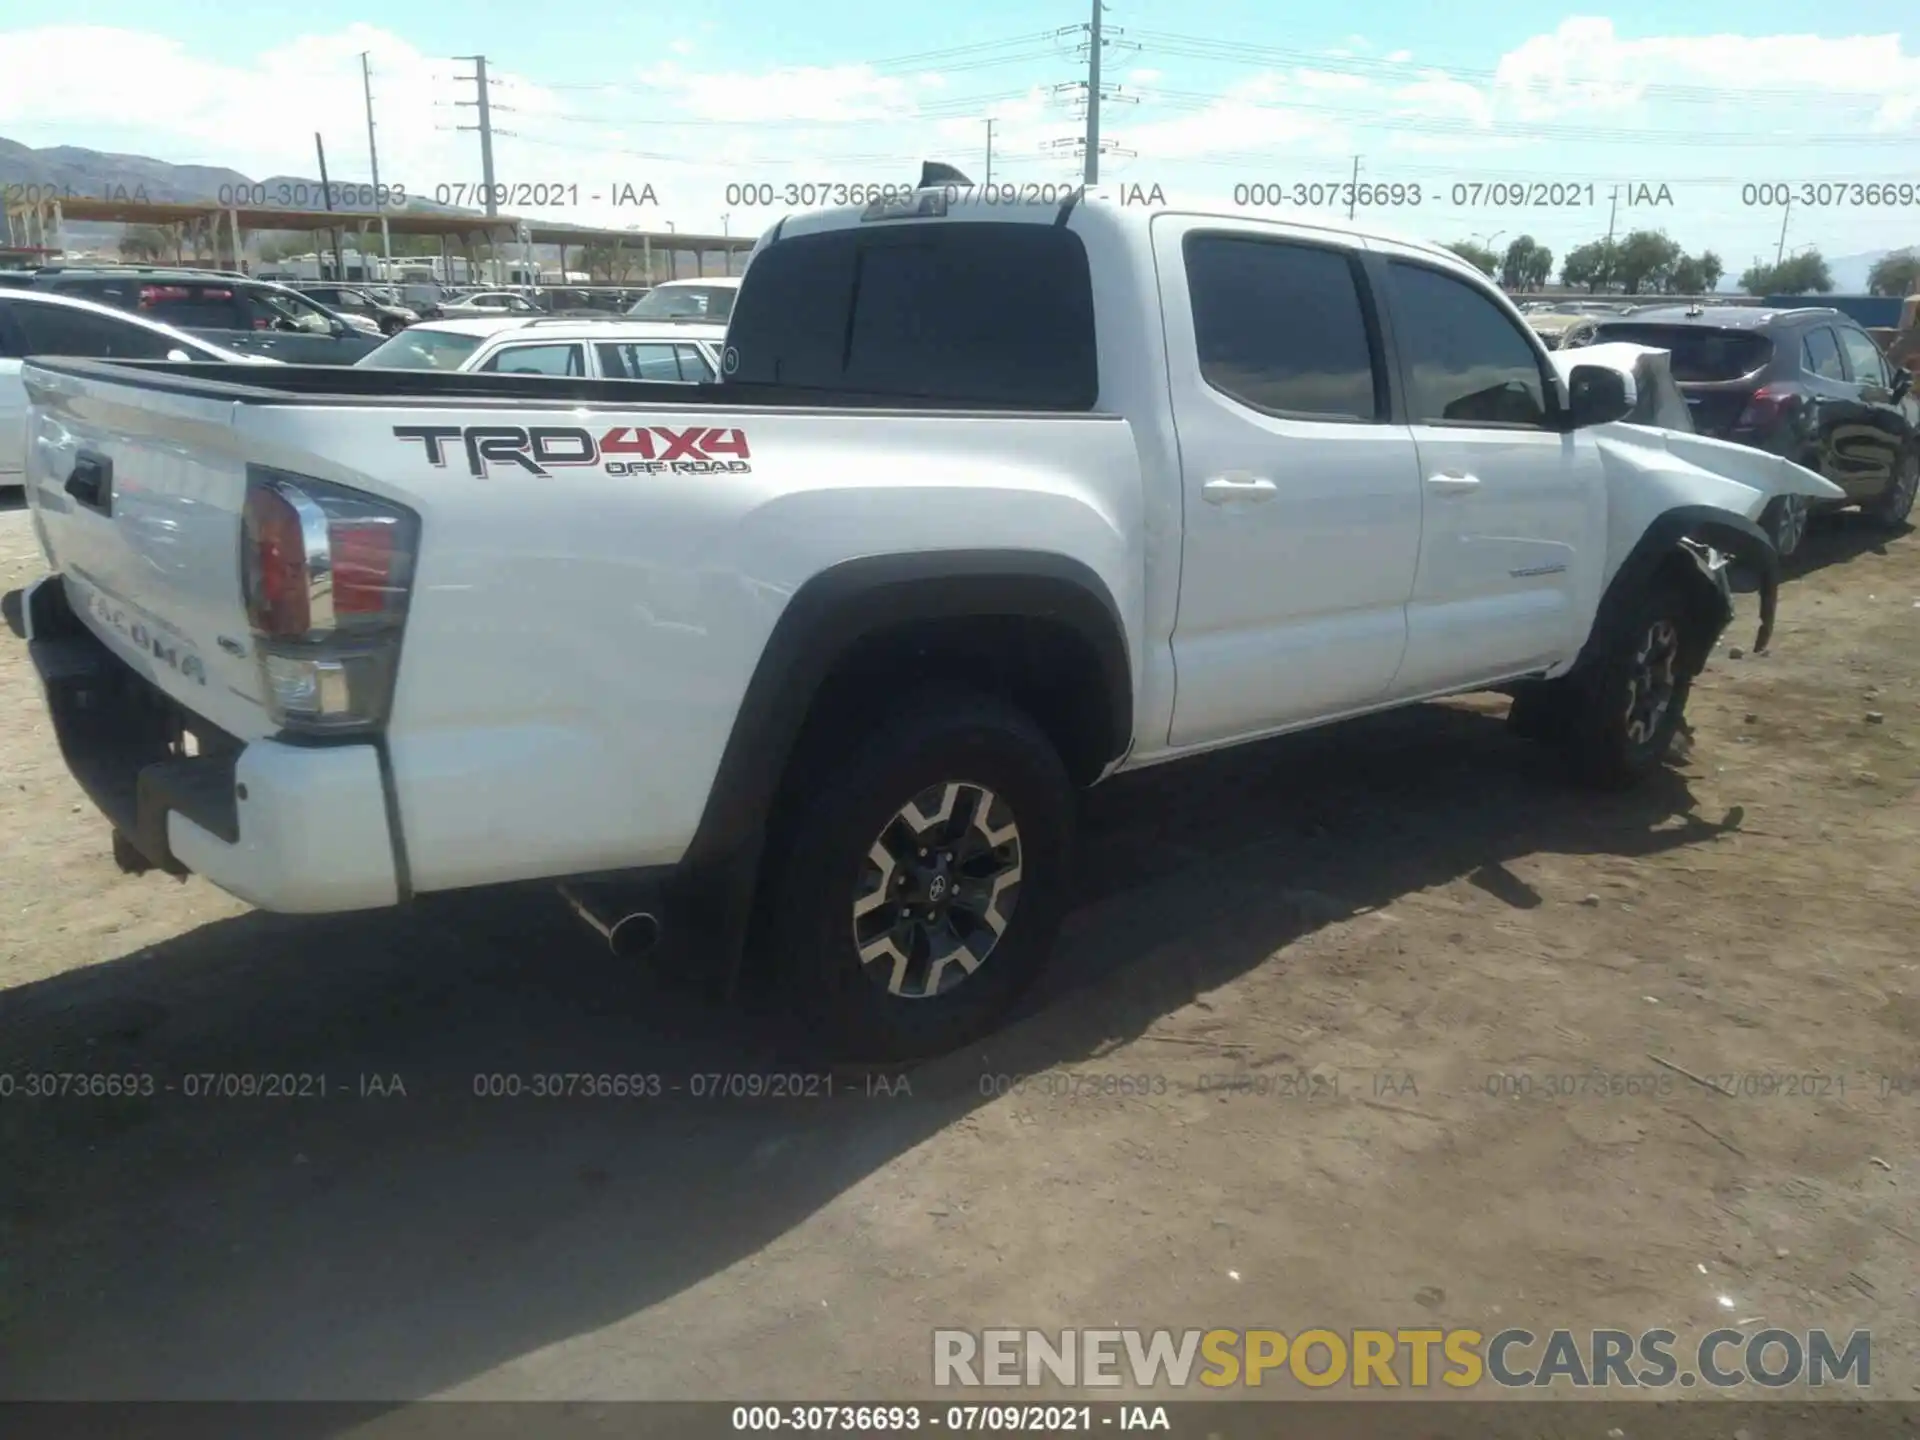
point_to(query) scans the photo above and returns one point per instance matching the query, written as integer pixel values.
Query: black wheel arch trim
(826, 617)
(1724, 531)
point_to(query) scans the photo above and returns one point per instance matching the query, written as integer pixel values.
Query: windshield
(419, 349)
(686, 302)
(1700, 352)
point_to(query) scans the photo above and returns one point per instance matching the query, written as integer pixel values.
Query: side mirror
(1598, 395)
(1902, 382)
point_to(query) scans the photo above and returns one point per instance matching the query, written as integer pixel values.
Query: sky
(1480, 122)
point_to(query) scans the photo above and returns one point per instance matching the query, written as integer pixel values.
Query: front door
(1867, 445)
(1513, 500)
(1300, 496)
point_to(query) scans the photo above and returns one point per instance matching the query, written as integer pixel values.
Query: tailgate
(137, 496)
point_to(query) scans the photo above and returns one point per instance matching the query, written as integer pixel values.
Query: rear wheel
(1785, 521)
(917, 887)
(1622, 726)
(1893, 505)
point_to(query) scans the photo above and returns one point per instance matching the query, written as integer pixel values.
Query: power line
(1239, 52)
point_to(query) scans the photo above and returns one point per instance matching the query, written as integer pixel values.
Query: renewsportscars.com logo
(1418, 1359)
(623, 450)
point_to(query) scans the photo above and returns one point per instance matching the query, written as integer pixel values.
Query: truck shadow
(374, 1245)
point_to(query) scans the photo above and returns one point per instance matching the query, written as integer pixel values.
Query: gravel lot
(1409, 908)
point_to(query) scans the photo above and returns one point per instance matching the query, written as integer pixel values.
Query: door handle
(1453, 482)
(1237, 489)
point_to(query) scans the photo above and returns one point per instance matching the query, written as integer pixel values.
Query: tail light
(326, 575)
(1768, 405)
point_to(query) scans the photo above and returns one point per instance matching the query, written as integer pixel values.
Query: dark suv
(1808, 384)
(254, 317)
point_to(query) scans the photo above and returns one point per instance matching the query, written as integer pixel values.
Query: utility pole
(1093, 96)
(1606, 250)
(1780, 254)
(326, 194)
(989, 150)
(373, 160)
(485, 127)
(1353, 190)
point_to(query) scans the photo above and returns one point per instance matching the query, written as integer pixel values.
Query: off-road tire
(820, 857)
(1613, 742)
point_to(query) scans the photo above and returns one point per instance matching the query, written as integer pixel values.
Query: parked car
(254, 317)
(608, 347)
(1807, 383)
(487, 302)
(709, 300)
(994, 502)
(34, 323)
(357, 304)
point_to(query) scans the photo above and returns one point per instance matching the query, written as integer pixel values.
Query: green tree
(1590, 265)
(1476, 255)
(1644, 260)
(1803, 274)
(1710, 270)
(609, 264)
(1686, 277)
(1526, 265)
(1895, 274)
(145, 242)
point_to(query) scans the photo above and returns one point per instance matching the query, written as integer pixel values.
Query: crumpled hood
(1650, 471)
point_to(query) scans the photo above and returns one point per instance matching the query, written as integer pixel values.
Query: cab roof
(964, 203)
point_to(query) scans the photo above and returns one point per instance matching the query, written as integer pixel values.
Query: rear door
(1300, 490)
(1515, 519)
(1867, 442)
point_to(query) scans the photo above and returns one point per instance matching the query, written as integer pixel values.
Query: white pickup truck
(991, 502)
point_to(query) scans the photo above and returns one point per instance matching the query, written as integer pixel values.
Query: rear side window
(191, 307)
(960, 313)
(1280, 327)
(1821, 354)
(1700, 352)
(671, 363)
(1863, 357)
(536, 360)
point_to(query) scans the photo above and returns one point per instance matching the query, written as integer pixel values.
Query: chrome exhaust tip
(630, 934)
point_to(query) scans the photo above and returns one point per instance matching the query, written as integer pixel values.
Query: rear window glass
(419, 349)
(963, 313)
(687, 302)
(1699, 351)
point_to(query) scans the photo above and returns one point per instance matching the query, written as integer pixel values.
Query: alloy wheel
(1651, 680)
(1790, 526)
(1906, 483)
(937, 890)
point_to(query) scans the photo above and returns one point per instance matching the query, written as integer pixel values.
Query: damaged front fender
(1667, 489)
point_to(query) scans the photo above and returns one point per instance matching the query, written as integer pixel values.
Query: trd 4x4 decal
(623, 450)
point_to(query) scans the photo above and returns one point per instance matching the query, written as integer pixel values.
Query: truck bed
(364, 386)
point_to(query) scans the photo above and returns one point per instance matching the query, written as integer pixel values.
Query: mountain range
(69, 168)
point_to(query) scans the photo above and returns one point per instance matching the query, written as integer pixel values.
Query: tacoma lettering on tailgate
(623, 450)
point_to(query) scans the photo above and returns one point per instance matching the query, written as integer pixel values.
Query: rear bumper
(294, 828)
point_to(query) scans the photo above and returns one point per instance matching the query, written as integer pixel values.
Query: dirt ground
(1409, 909)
